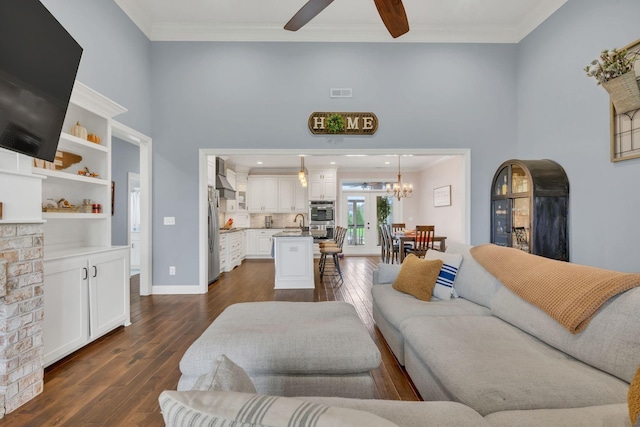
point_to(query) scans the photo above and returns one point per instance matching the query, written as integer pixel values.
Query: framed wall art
(442, 196)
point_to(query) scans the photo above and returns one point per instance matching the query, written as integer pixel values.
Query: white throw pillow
(225, 376)
(230, 409)
(444, 288)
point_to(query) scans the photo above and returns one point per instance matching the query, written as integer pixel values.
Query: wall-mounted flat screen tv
(38, 65)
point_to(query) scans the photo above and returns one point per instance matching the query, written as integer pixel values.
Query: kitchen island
(293, 255)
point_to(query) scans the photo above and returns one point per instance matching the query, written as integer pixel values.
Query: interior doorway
(144, 143)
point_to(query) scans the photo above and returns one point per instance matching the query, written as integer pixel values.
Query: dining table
(440, 242)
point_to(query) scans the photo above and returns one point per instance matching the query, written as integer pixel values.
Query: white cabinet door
(251, 239)
(264, 244)
(109, 291)
(211, 172)
(232, 205)
(301, 201)
(292, 196)
(322, 184)
(286, 194)
(263, 194)
(66, 307)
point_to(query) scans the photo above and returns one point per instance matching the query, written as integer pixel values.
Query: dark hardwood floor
(116, 380)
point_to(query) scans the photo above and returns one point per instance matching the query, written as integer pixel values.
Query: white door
(360, 216)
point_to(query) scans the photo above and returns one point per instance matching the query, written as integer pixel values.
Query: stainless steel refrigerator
(214, 236)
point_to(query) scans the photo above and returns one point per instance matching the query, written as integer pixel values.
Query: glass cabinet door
(501, 187)
(521, 224)
(500, 221)
(519, 180)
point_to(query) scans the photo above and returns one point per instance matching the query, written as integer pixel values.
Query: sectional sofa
(506, 358)
(487, 358)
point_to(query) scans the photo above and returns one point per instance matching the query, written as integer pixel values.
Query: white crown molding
(376, 33)
(363, 33)
(88, 98)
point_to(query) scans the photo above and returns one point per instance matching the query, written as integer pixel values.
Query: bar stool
(334, 249)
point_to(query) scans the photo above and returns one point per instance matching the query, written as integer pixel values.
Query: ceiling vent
(341, 93)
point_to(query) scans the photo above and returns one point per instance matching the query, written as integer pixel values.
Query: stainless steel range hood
(225, 190)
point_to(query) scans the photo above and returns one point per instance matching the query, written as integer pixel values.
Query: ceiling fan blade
(394, 17)
(306, 14)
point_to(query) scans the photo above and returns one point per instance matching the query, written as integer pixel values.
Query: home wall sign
(331, 123)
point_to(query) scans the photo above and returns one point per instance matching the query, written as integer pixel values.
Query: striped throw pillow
(231, 409)
(444, 289)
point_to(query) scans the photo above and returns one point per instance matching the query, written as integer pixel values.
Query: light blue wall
(115, 60)
(125, 158)
(529, 100)
(564, 116)
(260, 95)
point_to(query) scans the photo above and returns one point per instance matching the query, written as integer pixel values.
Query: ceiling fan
(391, 11)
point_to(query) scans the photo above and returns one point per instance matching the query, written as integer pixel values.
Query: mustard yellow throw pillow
(418, 277)
(634, 399)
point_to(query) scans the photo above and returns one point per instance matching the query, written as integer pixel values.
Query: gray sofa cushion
(411, 414)
(473, 282)
(391, 308)
(397, 306)
(591, 416)
(610, 342)
(491, 366)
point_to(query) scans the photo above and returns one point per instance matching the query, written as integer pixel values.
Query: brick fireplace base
(21, 314)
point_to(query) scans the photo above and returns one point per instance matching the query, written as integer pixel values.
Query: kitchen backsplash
(278, 220)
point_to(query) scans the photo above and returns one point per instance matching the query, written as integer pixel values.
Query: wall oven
(321, 219)
(321, 212)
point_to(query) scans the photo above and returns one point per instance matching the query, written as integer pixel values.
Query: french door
(362, 212)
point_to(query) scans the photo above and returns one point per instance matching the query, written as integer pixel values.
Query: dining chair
(384, 246)
(423, 241)
(398, 226)
(393, 248)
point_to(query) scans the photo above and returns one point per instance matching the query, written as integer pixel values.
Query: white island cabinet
(293, 255)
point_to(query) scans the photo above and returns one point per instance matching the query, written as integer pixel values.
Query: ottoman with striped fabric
(289, 349)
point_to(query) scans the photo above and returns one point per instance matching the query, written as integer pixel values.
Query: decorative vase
(624, 92)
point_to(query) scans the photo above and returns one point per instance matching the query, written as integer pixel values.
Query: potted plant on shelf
(614, 70)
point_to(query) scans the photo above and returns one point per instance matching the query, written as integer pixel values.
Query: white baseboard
(175, 290)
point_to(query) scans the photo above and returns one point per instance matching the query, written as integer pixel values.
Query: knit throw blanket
(570, 293)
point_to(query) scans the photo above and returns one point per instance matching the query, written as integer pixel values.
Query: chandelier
(399, 190)
(302, 176)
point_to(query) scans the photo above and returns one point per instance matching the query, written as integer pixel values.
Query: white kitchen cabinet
(292, 196)
(235, 251)
(262, 194)
(223, 252)
(87, 296)
(211, 171)
(259, 242)
(322, 184)
(241, 192)
(232, 204)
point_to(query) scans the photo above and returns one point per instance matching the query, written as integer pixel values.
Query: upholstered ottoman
(289, 349)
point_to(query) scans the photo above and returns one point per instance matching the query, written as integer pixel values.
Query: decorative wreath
(335, 123)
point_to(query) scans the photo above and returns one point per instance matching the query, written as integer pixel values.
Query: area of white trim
(175, 290)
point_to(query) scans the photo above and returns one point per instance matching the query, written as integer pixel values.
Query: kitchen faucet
(296, 218)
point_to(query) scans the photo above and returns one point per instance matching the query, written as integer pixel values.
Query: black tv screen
(38, 65)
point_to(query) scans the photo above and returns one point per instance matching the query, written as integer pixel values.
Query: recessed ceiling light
(259, 163)
(387, 163)
(333, 163)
